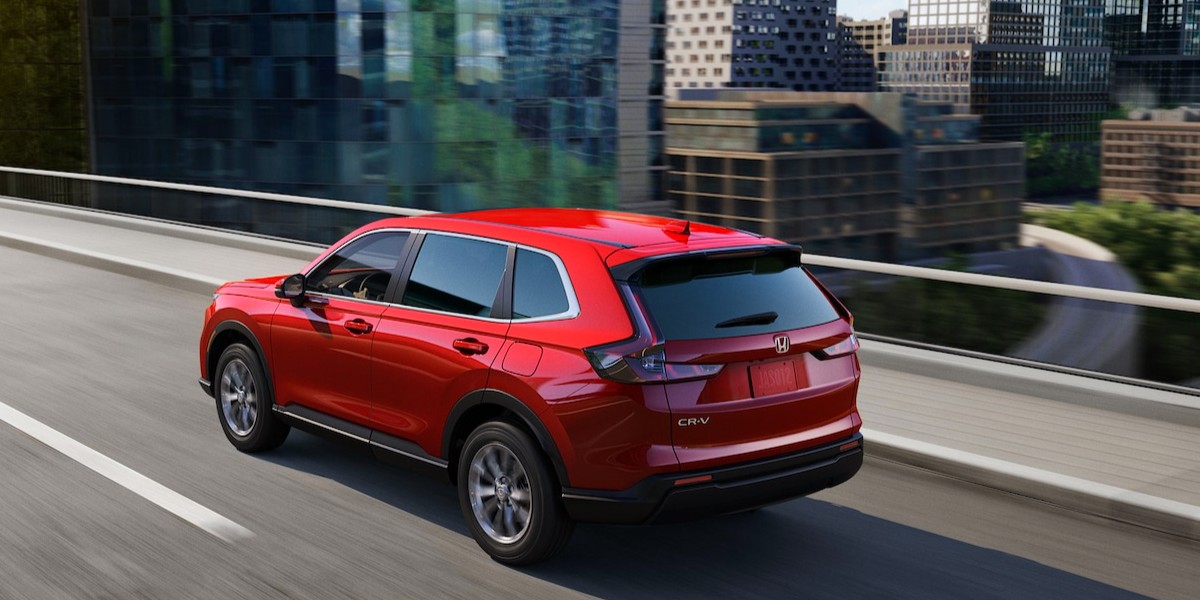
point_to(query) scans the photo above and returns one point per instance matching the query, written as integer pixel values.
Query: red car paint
(405, 371)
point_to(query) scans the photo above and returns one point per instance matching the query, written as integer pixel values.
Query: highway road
(110, 362)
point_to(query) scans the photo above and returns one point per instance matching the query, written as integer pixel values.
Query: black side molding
(383, 446)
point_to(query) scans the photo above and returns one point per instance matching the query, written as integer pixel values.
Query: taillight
(842, 348)
(627, 363)
(642, 359)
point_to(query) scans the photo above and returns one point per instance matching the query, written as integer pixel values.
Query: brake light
(642, 359)
(842, 348)
(627, 363)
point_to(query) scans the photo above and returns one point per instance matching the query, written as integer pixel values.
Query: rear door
(438, 341)
(788, 375)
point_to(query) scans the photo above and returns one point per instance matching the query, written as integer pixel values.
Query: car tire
(509, 496)
(244, 402)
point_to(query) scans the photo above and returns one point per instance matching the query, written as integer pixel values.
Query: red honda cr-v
(558, 365)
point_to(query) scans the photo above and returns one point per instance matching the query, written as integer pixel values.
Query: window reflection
(434, 102)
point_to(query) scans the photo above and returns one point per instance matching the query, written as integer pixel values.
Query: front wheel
(509, 497)
(244, 402)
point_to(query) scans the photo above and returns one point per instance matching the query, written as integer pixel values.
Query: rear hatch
(757, 357)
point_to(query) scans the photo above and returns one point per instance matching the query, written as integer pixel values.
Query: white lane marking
(131, 480)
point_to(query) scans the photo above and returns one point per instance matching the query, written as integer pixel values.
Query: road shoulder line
(1129, 506)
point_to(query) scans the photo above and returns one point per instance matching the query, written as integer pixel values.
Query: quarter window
(456, 275)
(537, 287)
(361, 269)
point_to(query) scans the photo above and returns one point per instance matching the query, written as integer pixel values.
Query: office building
(865, 46)
(875, 176)
(856, 54)
(1156, 51)
(435, 104)
(1031, 66)
(1154, 156)
(781, 44)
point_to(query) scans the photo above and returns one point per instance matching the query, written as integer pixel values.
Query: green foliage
(1053, 169)
(1162, 249)
(41, 93)
(510, 170)
(947, 314)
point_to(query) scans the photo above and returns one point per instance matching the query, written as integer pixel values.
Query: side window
(537, 287)
(456, 275)
(361, 269)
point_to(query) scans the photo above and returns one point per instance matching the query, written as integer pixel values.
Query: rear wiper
(763, 318)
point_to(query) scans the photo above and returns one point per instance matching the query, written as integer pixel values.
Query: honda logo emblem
(782, 344)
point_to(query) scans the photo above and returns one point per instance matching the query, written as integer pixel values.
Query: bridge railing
(1150, 338)
(278, 215)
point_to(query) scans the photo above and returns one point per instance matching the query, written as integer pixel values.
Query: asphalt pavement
(111, 362)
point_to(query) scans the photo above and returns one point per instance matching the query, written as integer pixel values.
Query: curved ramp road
(108, 361)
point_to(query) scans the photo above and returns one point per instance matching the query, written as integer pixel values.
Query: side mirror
(291, 288)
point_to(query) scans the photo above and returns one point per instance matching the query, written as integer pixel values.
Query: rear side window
(699, 298)
(537, 287)
(456, 275)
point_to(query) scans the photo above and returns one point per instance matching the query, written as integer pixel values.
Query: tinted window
(456, 275)
(715, 298)
(537, 287)
(361, 269)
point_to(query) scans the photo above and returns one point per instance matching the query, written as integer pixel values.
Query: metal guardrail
(1009, 283)
(203, 189)
(975, 279)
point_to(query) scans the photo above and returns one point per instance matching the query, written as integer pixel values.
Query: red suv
(557, 365)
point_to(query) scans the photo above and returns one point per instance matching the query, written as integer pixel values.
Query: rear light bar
(842, 348)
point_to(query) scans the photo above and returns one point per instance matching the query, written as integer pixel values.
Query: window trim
(572, 302)
(396, 297)
(507, 282)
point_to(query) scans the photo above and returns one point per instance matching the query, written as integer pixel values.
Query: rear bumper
(734, 488)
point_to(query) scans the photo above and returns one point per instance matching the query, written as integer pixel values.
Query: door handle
(470, 346)
(358, 326)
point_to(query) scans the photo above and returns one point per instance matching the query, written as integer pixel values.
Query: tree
(1053, 168)
(41, 79)
(1162, 248)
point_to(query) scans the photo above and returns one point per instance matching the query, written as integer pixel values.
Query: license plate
(773, 378)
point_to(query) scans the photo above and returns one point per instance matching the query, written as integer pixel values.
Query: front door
(322, 348)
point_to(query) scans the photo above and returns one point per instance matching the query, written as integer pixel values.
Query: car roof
(611, 228)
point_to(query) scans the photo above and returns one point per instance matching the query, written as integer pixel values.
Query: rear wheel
(244, 402)
(509, 497)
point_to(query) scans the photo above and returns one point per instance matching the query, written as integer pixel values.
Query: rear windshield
(703, 298)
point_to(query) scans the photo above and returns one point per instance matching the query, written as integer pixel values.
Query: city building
(1023, 66)
(1156, 51)
(782, 44)
(856, 54)
(864, 45)
(878, 176)
(1154, 155)
(435, 104)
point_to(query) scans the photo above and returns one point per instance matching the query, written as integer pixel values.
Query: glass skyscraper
(434, 104)
(1156, 51)
(1023, 65)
